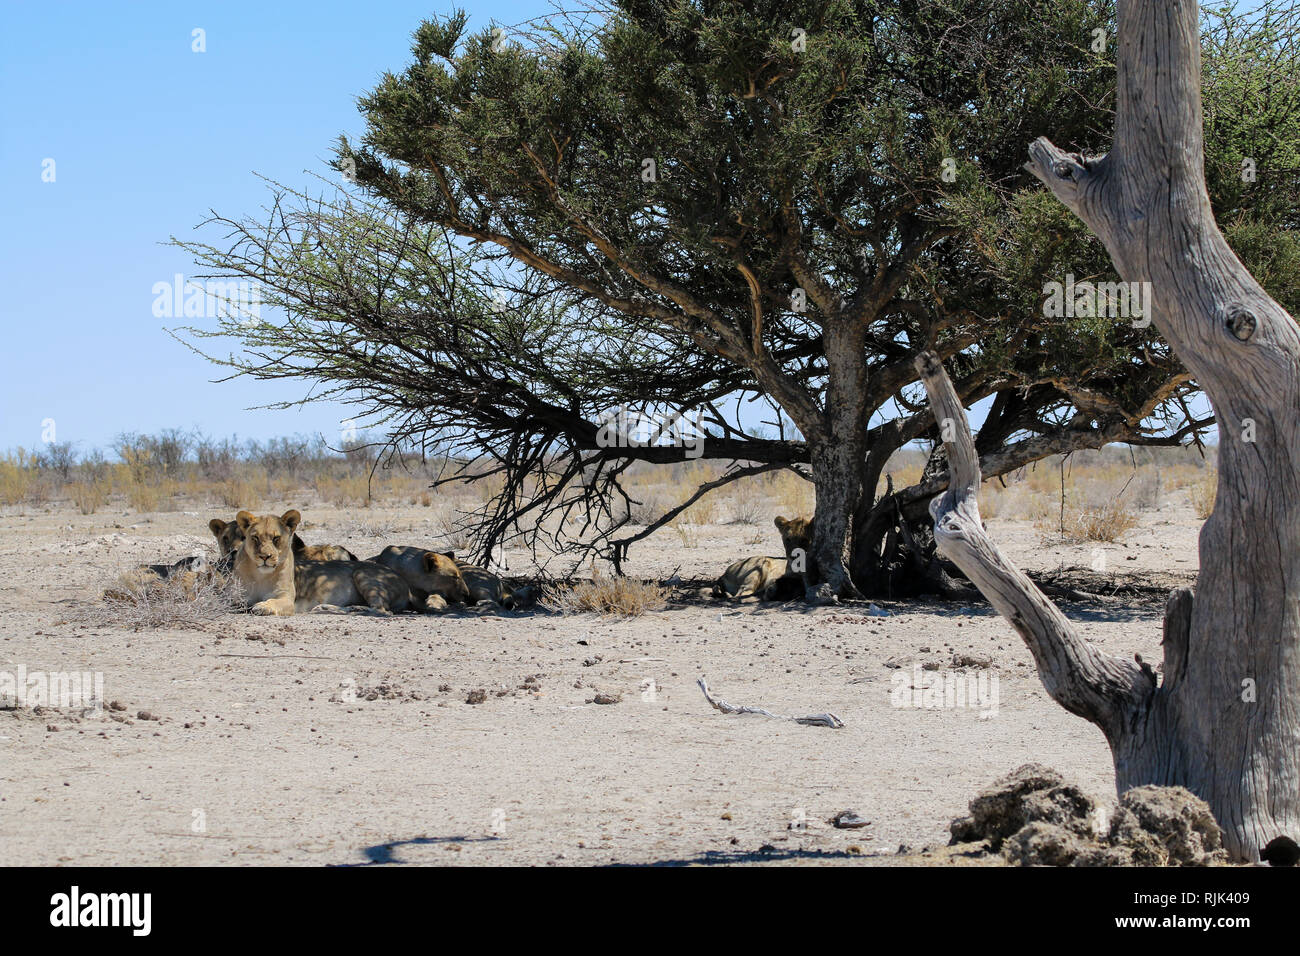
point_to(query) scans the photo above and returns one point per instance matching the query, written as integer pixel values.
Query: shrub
(616, 596)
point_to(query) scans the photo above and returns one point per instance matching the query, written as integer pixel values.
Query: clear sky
(146, 135)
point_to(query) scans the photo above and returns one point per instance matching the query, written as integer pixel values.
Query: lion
(302, 551)
(483, 584)
(754, 577)
(264, 561)
(196, 565)
(229, 537)
(228, 534)
(330, 585)
(797, 537)
(433, 578)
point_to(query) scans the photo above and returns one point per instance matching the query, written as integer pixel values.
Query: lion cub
(433, 578)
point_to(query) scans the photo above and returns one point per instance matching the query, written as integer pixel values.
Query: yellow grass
(89, 496)
(607, 596)
(1203, 491)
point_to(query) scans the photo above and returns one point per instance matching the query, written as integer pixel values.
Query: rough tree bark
(1225, 720)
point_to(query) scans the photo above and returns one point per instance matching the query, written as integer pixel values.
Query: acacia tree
(762, 181)
(1224, 719)
(627, 292)
(795, 190)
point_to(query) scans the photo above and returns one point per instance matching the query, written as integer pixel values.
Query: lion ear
(244, 519)
(216, 526)
(449, 554)
(290, 519)
(429, 562)
(781, 522)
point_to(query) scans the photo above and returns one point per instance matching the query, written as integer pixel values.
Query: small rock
(848, 820)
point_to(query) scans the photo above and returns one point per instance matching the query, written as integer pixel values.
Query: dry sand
(258, 752)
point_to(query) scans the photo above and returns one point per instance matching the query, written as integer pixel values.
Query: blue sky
(146, 135)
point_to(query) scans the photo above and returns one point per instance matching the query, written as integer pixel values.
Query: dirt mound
(1029, 794)
(1033, 817)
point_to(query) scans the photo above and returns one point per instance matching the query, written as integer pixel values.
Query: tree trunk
(1225, 721)
(837, 454)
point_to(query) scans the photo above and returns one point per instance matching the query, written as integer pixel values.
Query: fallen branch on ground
(813, 720)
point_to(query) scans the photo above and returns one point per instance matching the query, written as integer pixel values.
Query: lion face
(268, 540)
(795, 533)
(442, 576)
(228, 534)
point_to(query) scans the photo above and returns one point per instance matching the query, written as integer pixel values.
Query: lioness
(483, 584)
(797, 537)
(264, 561)
(303, 551)
(757, 576)
(229, 538)
(228, 534)
(226, 545)
(427, 573)
(338, 584)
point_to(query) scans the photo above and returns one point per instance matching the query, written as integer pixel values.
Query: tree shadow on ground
(383, 854)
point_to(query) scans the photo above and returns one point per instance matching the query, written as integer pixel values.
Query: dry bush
(688, 532)
(704, 511)
(448, 525)
(345, 491)
(648, 504)
(1108, 522)
(617, 596)
(239, 493)
(991, 503)
(16, 477)
(144, 495)
(747, 510)
(89, 496)
(794, 495)
(1203, 492)
(139, 600)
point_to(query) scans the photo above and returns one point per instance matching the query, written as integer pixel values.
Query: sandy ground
(341, 740)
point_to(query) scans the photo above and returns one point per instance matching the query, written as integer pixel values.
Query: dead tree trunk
(1225, 720)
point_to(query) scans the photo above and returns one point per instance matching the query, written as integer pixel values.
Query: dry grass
(344, 491)
(688, 532)
(89, 496)
(609, 597)
(16, 477)
(136, 600)
(793, 495)
(1203, 492)
(1106, 522)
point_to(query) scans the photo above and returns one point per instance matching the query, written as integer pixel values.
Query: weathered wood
(1096, 686)
(1229, 714)
(1226, 721)
(812, 720)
